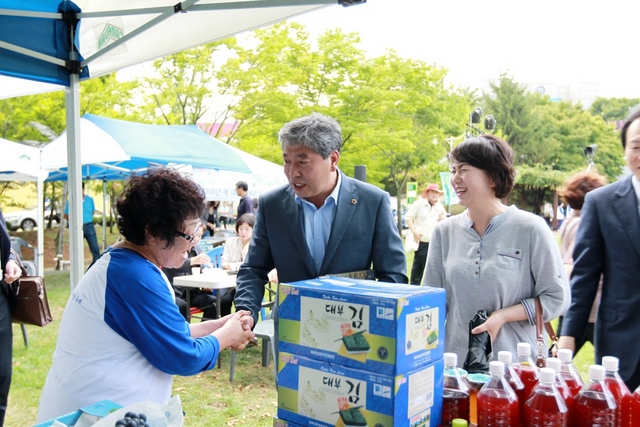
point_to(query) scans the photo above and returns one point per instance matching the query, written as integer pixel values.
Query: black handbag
(30, 305)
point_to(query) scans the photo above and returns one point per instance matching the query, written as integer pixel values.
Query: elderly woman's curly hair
(158, 203)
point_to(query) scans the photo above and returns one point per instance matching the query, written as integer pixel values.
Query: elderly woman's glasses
(187, 237)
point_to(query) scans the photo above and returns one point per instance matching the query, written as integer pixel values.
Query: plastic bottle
(556, 364)
(569, 372)
(635, 407)
(546, 407)
(514, 380)
(526, 368)
(618, 389)
(594, 404)
(497, 402)
(456, 392)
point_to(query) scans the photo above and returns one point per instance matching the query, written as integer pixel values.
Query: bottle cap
(547, 375)
(610, 363)
(459, 422)
(505, 357)
(565, 355)
(554, 363)
(596, 372)
(450, 359)
(523, 348)
(496, 368)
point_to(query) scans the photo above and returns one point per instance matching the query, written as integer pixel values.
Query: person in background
(493, 257)
(255, 204)
(422, 216)
(225, 215)
(121, 335)
(210, 217)
(561, 214)
(608, 244)
(88, 229)
(236, 248)
(575, 189)
(200, 298)
(10, 273)
(246, 203)
(322, 222)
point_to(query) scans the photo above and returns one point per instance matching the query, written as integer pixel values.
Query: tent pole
(39, 251)
(104, 214)
(76, 247)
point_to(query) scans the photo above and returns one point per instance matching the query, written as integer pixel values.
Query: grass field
(208, 399)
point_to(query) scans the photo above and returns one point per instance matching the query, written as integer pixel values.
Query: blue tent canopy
(113, 149)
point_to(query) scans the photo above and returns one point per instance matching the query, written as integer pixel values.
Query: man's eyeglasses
(187, 237)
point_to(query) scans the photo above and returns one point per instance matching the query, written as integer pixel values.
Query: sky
(560, 42)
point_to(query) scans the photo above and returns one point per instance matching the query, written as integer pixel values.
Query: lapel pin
(354, 201)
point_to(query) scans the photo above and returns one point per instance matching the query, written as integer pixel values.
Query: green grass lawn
(208, 399)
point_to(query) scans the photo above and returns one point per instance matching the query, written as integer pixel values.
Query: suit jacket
(608, 242)
(363, 233)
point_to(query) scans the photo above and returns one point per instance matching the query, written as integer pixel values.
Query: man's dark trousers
(89, 232)
(419, 262)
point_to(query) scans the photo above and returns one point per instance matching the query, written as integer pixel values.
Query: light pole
(475, 117)
(590, 152)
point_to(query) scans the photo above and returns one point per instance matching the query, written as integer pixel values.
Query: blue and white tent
(61, 42)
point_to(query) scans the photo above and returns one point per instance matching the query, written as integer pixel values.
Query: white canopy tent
(62, 42)
(21, 163)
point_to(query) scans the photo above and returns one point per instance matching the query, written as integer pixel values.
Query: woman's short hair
(578, 185)
(249, 219)
(634, 114)
(158, 202)
(318, 132)
(491, 154)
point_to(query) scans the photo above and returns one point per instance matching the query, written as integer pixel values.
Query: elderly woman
(493, 257)
(122, 336)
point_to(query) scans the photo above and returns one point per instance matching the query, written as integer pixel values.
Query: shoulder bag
(541, 358)
(30, 304)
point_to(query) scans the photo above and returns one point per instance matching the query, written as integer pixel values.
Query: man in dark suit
(322, 222)
(608, 243)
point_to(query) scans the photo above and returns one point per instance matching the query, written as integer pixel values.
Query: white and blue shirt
(121, 338)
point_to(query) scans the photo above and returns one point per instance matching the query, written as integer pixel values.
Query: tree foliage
(612, 109)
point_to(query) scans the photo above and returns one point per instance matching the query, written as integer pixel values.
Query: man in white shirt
(422, 217)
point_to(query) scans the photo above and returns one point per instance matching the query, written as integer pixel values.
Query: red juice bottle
(526, 368)
(497, 402)
(556, 364)
(514, 381)
(546, 407)
(618, 389)
(635, 407)
(569, 372)
(455, 394)
(594, 405)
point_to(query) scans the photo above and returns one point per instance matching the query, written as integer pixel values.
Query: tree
(612, 109)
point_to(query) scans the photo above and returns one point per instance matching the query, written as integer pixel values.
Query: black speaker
(361, 173)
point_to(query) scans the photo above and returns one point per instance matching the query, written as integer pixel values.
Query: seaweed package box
(315, 393)
(382, 327)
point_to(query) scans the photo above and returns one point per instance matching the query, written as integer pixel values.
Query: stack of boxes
(359, 353)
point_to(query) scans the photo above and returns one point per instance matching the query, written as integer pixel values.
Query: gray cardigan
(515, 260)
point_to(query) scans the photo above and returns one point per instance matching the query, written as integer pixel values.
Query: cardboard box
(315, 393)
(375, 326)
(92, 413)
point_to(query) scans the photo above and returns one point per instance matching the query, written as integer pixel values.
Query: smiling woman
(493, 257)
(121, 322)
